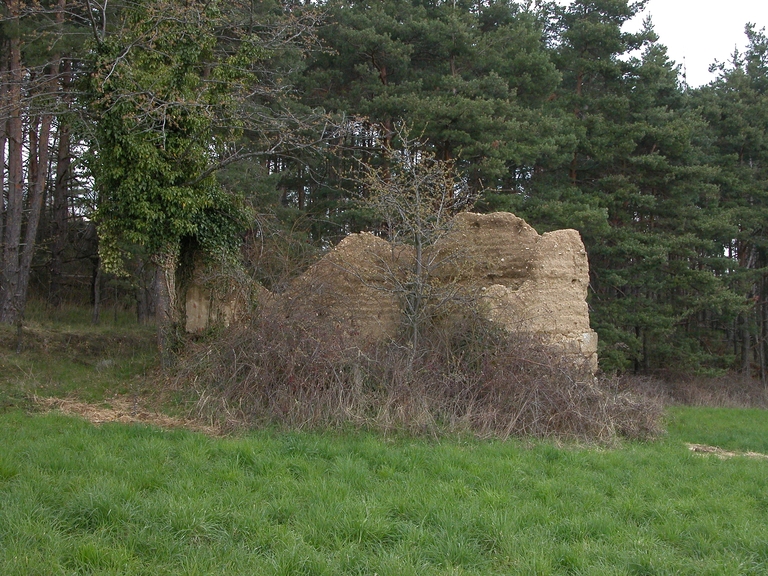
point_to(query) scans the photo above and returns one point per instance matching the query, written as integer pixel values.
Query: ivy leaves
(155, 90)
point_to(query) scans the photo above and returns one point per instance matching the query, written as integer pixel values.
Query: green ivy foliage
(156, 91)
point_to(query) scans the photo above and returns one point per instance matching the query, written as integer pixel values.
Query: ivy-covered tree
(163, 93)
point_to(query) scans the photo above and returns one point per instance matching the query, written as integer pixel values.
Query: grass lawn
(133, 499)
(71, 357)
(120, 499)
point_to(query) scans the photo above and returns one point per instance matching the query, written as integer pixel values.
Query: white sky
(698, 32)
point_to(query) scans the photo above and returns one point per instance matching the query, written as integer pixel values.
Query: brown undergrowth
(727, 391)
(467, 376)
(306, 372)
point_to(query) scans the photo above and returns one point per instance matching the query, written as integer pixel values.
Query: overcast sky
(698, 32)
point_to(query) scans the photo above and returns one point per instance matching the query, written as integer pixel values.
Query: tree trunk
(25, 202)
(4, 50)
(142, 305)
(763, 319)
(417, 300)
(14, 203)
(166, 306)
(38, 176)
(96, 292)
(761, 341)
(143, 293)
(60, 216)
(746, 344)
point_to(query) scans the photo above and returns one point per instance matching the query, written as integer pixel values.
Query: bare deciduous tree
(416, 195)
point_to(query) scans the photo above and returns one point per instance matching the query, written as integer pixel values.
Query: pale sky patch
(698, 32)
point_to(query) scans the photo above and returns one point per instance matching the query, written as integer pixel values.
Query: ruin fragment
(526, 281)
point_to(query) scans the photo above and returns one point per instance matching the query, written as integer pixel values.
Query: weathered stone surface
(198, 309)
(488, 249)
(352, 286)
(530, 282)
(211, 299)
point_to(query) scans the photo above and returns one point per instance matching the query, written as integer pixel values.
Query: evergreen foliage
(552, 112)
(637, 191)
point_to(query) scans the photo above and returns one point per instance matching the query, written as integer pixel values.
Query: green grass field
(120, 499)
(70, 357)
(79, 499)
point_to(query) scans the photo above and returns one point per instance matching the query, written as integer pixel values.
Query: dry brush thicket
(726, 391)
(468, 376)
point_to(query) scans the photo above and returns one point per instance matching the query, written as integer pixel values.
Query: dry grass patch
(705, 450)
(122, 409)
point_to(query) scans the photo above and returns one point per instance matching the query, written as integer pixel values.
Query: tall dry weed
(467, 376)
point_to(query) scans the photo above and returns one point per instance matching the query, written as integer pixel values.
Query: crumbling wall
(535, 283)
(491, 249)
(352, 289)
(212, 297)
(528, 282)
(205, 307)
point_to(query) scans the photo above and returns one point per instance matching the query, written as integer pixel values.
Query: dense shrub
(730, 390)
(467, 375)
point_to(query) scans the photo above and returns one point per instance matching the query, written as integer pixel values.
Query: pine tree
(38, 42)
(636, 189)
(469, 78)
(736, 106)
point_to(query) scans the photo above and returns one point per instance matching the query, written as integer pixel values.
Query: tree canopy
(185, 113)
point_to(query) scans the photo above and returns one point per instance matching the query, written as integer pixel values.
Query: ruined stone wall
(533, 283)
(352, 288)
(213, 297)
(529, 282)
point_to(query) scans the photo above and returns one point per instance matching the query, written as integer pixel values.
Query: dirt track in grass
(123, 409)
